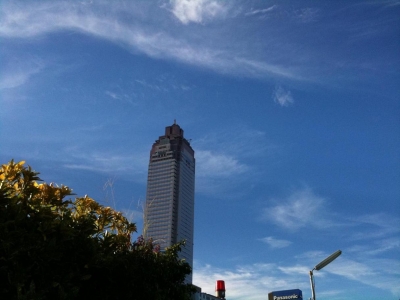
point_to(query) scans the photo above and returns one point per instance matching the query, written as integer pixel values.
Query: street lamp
(318, 267)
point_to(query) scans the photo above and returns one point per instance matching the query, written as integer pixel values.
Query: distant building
(169, 212)
(204, 296)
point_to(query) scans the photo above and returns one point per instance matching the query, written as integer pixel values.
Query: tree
(53, 248)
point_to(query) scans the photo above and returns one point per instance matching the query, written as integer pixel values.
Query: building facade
(169, 211)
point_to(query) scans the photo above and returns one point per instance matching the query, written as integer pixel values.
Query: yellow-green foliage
(57, 248)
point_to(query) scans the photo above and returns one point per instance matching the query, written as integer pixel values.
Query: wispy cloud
(266, 277)
(302, 15)
(220, 141)
(104, 162)
(218, 165)
(164, 83)
(282, 97)
(297, 269)
(385, 245)
(197, 11)
(369, 235)
(297, 210)
(110, 23)
(303, 208)
(261, 11)
(388, 244)
(221, 162)
(378, 225)
(306, 15)
(393, 3)
(368, 271)
(275, 243)
(119, 96)
(155, 87)
(215, 172)
(16, 73)
(262, 278)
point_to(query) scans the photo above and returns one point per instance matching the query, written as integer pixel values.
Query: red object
(220, 285)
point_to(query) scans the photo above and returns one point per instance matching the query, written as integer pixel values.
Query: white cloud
(15, 79)
(163, 83)
(236, 141)
(379, 219)
(224, 153)
(255, 68)
(119, 96)
(261, 11)
(297, 269)
(282, 97)
(110, 23)
(266, 277)
(210, 164)
(15, 73)
(385, 245)
(196, 10)
(223, 160)
(156, 87)
(113, 95)
(368, 270)
(275, 243)
(103, 162)
(306, 15)
(377, 225)
(297, 211)
(262, 278)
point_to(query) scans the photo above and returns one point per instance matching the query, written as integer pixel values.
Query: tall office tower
(169, 212)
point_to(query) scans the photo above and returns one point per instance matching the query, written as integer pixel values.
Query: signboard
(286, 295)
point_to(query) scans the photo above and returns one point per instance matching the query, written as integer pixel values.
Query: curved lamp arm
(318, 267)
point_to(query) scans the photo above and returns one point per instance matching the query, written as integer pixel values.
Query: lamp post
(318, 267)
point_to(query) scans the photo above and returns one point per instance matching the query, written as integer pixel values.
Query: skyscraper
(169, 213)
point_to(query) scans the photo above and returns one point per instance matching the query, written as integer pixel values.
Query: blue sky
(292, 108)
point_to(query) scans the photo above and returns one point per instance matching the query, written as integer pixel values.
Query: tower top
(173, 131)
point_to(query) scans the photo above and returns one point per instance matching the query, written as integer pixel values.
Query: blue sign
(286, 295)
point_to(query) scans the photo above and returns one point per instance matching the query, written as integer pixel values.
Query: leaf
(86, 277)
